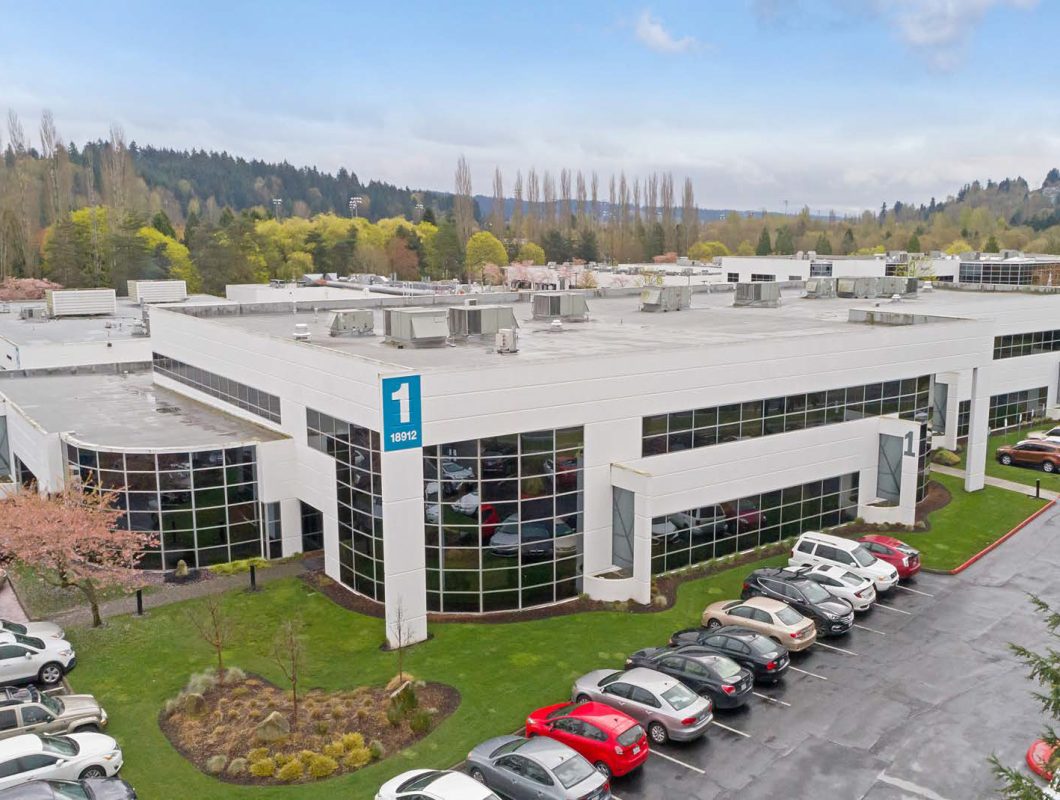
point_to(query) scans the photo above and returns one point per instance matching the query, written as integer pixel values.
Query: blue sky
(837, 104)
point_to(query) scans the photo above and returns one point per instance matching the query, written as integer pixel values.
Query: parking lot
(909, 704)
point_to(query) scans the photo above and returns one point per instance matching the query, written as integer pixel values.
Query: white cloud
(651, 33)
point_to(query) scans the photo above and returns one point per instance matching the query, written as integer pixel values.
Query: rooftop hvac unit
(349, 321)
(820, 288)
(892, 285)
(157, 291)
(480, 320)
(760, 294)
(32, 312)
(80, 302)
(858, 287)
(570, 306)
(301, 332)
(665, 298)
(416, 327)
(507, 340)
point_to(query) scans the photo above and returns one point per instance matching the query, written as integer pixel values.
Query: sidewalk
(173, 593)
(10, 608)
(1000, 483)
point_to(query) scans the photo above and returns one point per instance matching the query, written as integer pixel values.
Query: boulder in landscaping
(194, 704)
(215, 765)
(273, 728)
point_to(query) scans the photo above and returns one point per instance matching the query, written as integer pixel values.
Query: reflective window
(1015, 408)
(240, 395)
(1005, 272)
(1026, 344)
(202, 503)
(503, 521)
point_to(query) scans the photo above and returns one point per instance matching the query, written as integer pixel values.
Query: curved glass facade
(503, 521)
(202, 503)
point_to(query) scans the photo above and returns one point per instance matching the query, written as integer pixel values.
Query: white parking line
(837, 649)
(811, 674)
(914, 591)
(730, 730)
(870, 630)
(895, 610)
(771, 699)
(909, 786)
(678, 761)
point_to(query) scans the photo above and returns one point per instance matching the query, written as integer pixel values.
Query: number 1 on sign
(402, 397)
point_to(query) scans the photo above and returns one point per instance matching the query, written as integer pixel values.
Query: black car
(703, 671)
(91, 789)
(832, 615)
(760, 654)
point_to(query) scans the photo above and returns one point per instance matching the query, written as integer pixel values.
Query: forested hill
(238, 183)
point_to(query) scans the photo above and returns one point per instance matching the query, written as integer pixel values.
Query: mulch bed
(234, 710)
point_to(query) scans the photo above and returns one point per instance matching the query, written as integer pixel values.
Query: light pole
(277, 206)
(355, 203)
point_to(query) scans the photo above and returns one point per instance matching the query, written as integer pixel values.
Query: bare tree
(50, 146)
(533, 197)
(579, 191)
(288, 651)
(25, 228)
(548, 191)
(463, 205)
(623, 212)
(636, 200)
(497, 212)
(564, 198)
(594, 189)
(517, 205)
(666, 200)
(214, 627)
(400, 637)
(611, 217)
(651, 195)
(689, 217)
(117, 169)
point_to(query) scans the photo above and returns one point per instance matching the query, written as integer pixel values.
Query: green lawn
(1026, 475)
(40, 599)
(969, 523)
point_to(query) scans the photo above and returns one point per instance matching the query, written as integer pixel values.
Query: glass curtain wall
(503, 521)
(1026, 344)
(203, 504)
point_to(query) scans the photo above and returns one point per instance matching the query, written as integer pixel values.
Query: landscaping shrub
(375, 747)
(240, 566)
(257, 754)
(237, 766)
(357, 758)
(334, 750)
(394, 714)
(352, 741)
(420, 721)
(947, 458)
(291, 771)
(235, 675)
(282, 759)
(215, 765)
(306, 757)
(265, 768)
(322, 766)
(201, 682)
(321, 728)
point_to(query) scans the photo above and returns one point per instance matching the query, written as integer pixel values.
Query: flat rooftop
(127, 411)
(617, 326)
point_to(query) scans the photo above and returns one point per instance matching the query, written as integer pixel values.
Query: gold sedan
(772, 618)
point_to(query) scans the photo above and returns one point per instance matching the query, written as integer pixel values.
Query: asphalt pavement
(910, 704)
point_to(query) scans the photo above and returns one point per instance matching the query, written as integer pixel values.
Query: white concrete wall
(787, 268)
(39, 450)
(73, 354)
(263, 293)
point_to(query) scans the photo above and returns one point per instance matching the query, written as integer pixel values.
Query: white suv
(841, 582)
(815, 548)
(29, 658)
(76, 756)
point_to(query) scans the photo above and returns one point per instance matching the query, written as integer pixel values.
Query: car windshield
(679, 696)
(573, 771)
(564, 711)
(59, 745)
(420, 781)
(761, 644)
(30, 641)
(70, 791)
(850, 579)
(631, 736)
(726, 668)
(14, 627)
(614, 676)
(813, 591)
(508, 747)
(53, 704)
(863, 556)
(789, 616)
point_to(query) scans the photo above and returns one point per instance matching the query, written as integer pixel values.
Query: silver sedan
(663, 705)
(536, 769)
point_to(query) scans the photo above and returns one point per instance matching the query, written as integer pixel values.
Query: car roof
(34, 790)
(456, 784)
(739, 631)
(827, 538)
(546, 752)
(648, 678)
(765, 604)
(602, 715)
(20, 745)
(879, 538)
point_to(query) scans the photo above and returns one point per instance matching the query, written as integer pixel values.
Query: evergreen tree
(189, 228)
(913, 245)
(654, 240)
(823, 247)
(765, 247)
(446, 257)
(785, 243)
(991, 245)
(848, 245)
(428, 216)
(161, 223)
(587, 248)
(557, 247)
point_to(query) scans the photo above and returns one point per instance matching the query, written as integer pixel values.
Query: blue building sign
(402, 413)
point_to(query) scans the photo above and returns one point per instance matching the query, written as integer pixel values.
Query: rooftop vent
(416, 327)
(301, 332)
(344, 322)
(476, 320)
(569, 306)
(507, 340)
(820, 288)
(157, 291)
(665, 298)
(80, 302)
(869, 288)
(761, 294)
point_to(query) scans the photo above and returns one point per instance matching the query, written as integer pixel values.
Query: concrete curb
(994, 545)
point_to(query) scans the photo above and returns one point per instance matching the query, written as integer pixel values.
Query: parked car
(467, 505)
(76, 756)
(432, 512)
(832, 615)
(565, 472)
(454, 472)
(1051, 435)
(895, 552)
(771, 618)
(745, 518)
(28, 658)
(91, 789)
(535, 539)
(42, 630)
(814, 548)
(31, 711)
(663, 705)
(432, 784)
(663, 530)
(764, 657)
(858, 591)
(707, 521)
(1040, 756)
(613, 742)
(536, 769)
(708, 674)
(1039, 453)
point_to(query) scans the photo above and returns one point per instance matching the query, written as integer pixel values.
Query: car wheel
(91, 728)
(657, 733)
(582, 698)
(713, 624)
(50, 674)
(1049, 466)
(1006, 460)
(92, 772)
(603, 769)
(476, 773)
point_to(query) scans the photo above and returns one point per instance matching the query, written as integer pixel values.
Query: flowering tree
(71, 538)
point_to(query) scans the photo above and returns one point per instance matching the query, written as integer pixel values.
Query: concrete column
(978, 431)
(290, 526)
(641, 549)
(404, 563)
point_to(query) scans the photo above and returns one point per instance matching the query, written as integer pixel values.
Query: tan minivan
(764, 615)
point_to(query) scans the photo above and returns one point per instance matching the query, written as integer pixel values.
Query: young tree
(765, 247)
(849, 245)
(483, 248)
(531, 252)
(288, 651)
(913, 245)
(823, 247)
(1044, 669)
(400, 638)
(463, 205)
(214, 627)
(991, 245)
(72, 539)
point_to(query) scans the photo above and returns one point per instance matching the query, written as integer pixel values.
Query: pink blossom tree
(71, 538)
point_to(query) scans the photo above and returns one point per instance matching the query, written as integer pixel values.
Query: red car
(1039, 756)
(613, 742)
(897, 553)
